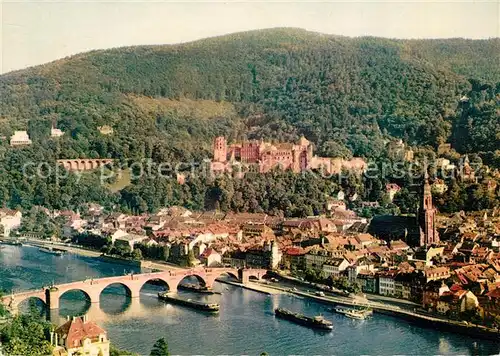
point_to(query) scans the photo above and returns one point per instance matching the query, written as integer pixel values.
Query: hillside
(296, 82)
(347, 95)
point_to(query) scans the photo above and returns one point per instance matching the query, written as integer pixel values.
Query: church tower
(220, 149)
(426, 216)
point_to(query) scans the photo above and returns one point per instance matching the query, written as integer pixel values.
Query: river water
(245, 325)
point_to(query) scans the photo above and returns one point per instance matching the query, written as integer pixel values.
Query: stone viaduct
(83, 164)
(132, 283)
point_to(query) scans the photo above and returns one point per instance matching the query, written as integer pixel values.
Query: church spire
(427, 214)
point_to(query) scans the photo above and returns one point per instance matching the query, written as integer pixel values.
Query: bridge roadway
(133, 283)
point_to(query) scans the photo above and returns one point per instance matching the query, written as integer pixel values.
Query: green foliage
(161, 253)
(280, 193)
(166, 104)
(3, 310)
(114, 351)
(160, 348)
(95, 242)
(136, 255)
(26, 335)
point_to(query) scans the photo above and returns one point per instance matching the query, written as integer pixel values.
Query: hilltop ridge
(295, 81)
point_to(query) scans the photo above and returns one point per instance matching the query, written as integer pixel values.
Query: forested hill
(347, 95)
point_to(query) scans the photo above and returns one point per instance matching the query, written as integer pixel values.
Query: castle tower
(220, 149)
(427, 215)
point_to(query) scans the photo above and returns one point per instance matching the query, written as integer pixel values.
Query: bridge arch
(26, 303)
(109, 287)
(159, 282)
(77, 290)
(186, 279)
(233, 274)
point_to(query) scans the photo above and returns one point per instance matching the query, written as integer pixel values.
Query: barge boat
(317, 322)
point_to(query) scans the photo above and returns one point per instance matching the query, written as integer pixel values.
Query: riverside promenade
(410, 315)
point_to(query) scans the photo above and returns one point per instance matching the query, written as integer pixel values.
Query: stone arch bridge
(133, 284)
(84, 164)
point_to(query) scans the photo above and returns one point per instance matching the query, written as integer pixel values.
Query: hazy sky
(35, 32)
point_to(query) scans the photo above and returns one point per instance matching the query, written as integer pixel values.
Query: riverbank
(412, 316)
(77, 250)
(82, 251)
(252, 286)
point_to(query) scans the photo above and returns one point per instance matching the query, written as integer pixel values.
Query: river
(245, 325)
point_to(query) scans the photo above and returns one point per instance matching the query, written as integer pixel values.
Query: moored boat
(317, 322)
(355, 314)
(51, 251)
(340, 310)
(196, 288)
(208, 307)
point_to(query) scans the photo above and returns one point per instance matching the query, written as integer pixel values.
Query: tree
(26, 335)
(137, 254)
(190, 258)
(160, 348)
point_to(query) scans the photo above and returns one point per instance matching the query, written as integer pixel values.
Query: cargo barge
(317, 322)
(207, 307)
(196, 288)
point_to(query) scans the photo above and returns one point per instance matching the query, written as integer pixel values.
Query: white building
(206, 237)
(362, 265)
(73, 227)
(130, 239)
(9, 220)
(335, 267)
(20, 138)
(56, 133)
(210, 257)
(387, 283)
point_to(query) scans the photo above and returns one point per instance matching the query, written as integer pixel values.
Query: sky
(39, 31)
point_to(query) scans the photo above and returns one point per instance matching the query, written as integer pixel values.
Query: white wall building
(56, 133)
(335, 267)
(20, 138)
(387, 283)
(9, 220)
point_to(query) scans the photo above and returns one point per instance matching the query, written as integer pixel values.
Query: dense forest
(349, 96)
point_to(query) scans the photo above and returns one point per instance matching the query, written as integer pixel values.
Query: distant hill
(347, 95)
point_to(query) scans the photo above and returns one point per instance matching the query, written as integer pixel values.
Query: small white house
(20, 138)
(130, 239)
(56, 133)
(210, 257)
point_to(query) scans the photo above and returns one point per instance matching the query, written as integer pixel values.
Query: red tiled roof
(295, 251)
(77, 330)
(495, 293)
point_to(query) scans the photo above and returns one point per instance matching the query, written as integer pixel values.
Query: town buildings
(459, 277)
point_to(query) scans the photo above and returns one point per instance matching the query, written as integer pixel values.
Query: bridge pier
(52, 298)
